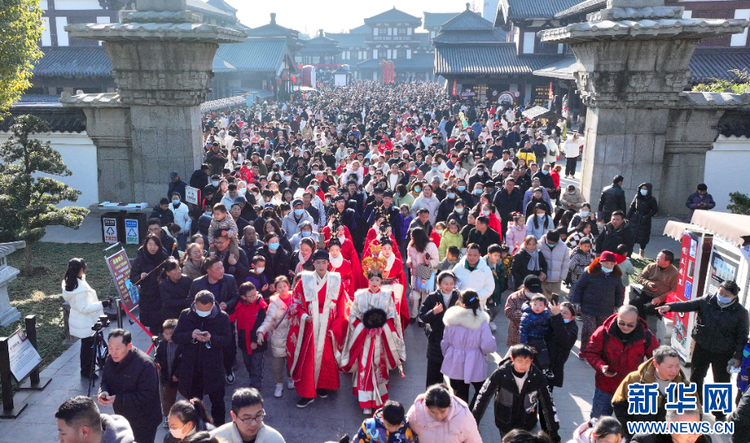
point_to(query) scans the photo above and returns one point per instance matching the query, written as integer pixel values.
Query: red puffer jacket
(605, 348)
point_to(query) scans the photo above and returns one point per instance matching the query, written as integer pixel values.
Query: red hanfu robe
(317, 325)
(371, 351)
(348, 252)
(372, 234)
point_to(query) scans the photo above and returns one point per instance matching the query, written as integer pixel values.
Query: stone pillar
(162, 57)
(634, 58)
(8, 313)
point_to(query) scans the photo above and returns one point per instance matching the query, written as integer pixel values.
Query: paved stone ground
(325, 419)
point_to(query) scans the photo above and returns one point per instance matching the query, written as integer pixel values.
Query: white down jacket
(276, 326)
(85, 308)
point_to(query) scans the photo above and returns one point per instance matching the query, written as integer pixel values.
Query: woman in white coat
(276, 323)
(85, 309)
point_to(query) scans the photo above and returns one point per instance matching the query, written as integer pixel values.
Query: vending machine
(696, 248)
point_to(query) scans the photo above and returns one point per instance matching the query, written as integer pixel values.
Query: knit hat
(607, 256)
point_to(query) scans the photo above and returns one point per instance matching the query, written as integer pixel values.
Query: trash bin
(113, 228)
(135, 227)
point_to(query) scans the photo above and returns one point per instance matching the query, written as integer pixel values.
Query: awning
(734, 228)
(562, 69)
(539, 112)
(675, 229)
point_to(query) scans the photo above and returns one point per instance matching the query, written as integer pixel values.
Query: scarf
(534, 260)
(336, 262)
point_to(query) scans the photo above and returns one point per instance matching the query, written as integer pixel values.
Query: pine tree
(28, 196)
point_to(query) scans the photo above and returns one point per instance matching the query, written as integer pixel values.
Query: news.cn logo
(643, 399)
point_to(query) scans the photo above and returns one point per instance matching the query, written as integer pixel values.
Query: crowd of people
(328, 225)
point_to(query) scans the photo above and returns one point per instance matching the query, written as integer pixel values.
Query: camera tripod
(100, 353)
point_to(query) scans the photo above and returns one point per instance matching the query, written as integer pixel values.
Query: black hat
(320, 254)
(532, 283)
(208, 189)
(388, 193)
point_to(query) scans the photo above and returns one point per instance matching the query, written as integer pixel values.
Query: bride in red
(346, 244)
(374, 345)
(379, 230)
(394, 279)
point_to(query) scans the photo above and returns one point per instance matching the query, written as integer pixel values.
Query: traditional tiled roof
(434, 20)
(221, 65)
(583, 7)
(735, 123)
(467, 21)
(562, 69)
(207, 8)
(424, 39)
(710, 63)
(221, 4)
(510, 10)
(272, 29)
(319, 44)
(348, 40)
(416, 62)
(495, 59)
(393, 16)
(72, 61)
(58, 118)
(254, 55)
(363, 29)
(494, 35)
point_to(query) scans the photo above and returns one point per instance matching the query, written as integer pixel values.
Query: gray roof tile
(509, 10)
(72, 61)
(467, 21)
(710, 63)
(436, 19)
(497, 59)
(253, 54)
(393, 16)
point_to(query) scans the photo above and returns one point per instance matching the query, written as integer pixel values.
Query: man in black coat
(612, 199)
(238, 265)
(615, 233)
(131, 385)
(720, 334)
(345, 216)
(225, 291)
(176, 185)
(483, 235)
(203, 333)
(508, 201)
(431, 314)
(199, 179)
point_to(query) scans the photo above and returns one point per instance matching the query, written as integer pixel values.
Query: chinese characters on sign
(643, 398)
(119, 267)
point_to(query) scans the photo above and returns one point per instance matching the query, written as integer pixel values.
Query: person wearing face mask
(187, 418)
(203, 331)
(598, 292)
(642, 209)
(428, 201)
(277, 258)
(720, 334)
(434, 172)
(459, 214)
(306, 231)
(561, 339)
(557, 256)
(293, 221)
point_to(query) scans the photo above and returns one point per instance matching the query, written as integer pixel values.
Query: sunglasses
(626, 325)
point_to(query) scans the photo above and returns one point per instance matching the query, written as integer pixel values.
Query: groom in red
(317, 324)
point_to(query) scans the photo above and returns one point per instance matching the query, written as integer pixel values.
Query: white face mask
(259, 269)
(179, 434)
(203, 313)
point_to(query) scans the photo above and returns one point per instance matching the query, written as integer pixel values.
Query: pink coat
(458, 427)
(514, 236)
(466, 341)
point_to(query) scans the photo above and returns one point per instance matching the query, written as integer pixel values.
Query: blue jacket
(373, 431)
(534, 325)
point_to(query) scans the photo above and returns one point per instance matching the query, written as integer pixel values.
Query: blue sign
(131, 232)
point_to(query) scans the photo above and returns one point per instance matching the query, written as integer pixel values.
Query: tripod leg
(93, 367)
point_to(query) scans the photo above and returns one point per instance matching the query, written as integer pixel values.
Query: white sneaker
(290, 384)
(367, 411)
(279, 390)
(493, 328)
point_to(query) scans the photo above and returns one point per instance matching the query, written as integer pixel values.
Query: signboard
(192, 195)
(23, 357)
(506, 97)
(110, 229)
(131, 232)
(119, 268)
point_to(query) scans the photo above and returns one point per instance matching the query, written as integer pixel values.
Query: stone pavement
(325, 419)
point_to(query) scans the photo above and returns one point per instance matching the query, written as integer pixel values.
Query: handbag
(423, 284)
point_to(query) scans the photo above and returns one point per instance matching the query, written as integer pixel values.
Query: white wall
(726, 165)
(79, 155)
